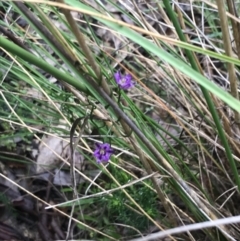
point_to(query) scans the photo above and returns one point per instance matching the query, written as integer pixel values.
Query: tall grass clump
(147, 93)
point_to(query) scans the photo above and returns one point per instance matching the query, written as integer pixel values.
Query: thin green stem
(206, 95)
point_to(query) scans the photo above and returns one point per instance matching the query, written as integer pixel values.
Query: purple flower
(124, 81)
(103, 152)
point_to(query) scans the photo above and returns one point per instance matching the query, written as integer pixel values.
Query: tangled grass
(175, 133)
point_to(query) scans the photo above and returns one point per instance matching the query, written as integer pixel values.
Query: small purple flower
(103, 152)
(124, 81)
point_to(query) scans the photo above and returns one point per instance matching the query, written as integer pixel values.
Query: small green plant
(4, 200)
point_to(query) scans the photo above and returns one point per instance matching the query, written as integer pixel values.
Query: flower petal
(124, 82)
(102, 152)
(105, 146)
(117, 76)
(128, 77)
